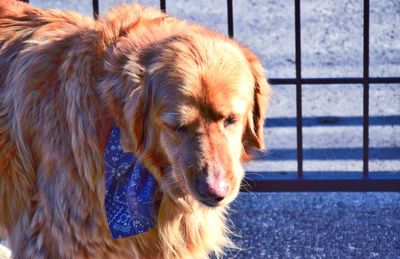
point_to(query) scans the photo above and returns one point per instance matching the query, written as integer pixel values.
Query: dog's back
(11, 167)
(50, 161)
(31, 47)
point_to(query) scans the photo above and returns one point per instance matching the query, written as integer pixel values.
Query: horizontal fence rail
(335, 80)
(321, 181)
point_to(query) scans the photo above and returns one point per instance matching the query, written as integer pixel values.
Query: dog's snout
(213, 192)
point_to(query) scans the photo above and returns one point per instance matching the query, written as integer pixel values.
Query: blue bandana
(130, 196)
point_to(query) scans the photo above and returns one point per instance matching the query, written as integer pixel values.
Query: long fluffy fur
(62, 85)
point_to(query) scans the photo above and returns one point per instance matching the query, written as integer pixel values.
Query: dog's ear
(136, 112)
(253, 135)
(127, 91)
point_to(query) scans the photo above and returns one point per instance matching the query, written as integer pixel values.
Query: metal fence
(351, 181)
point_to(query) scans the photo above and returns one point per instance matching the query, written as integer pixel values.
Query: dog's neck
(188, 232)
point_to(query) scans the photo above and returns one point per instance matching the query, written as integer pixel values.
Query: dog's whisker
(247, 186)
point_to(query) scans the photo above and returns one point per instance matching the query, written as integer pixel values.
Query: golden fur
(189, 102)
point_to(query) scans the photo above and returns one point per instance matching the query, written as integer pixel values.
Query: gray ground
(317, 225)
(312, 225)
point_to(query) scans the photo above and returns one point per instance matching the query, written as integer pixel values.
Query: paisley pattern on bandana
(131, 200)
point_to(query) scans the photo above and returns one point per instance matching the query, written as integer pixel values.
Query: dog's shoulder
(14, 8)
(19, 20)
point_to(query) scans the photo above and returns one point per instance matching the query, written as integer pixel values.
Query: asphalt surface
(317, 225)
(312, 225)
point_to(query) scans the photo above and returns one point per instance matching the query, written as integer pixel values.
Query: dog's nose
(213, 192)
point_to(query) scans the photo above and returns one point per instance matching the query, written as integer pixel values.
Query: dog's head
(195, 112)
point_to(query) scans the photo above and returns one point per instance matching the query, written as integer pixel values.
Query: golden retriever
(190, 103)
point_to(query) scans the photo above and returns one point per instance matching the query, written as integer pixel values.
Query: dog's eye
(230, 120)
(181, 128)
(175, 128)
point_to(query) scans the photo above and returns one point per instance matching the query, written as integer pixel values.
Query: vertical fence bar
(366, 90)
(299, 112)
(230, 18)
(95, 4)
(163, 6)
